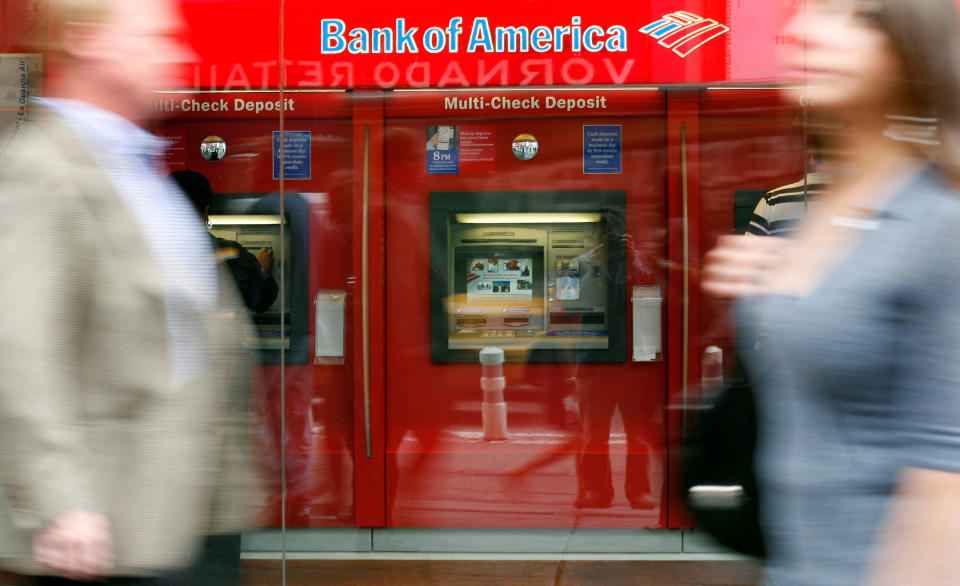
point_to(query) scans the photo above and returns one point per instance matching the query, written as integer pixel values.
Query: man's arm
(48, 281)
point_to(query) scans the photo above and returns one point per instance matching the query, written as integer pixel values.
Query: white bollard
(711, 373)
(493, 409)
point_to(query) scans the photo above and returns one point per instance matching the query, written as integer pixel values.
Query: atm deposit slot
(540, 274)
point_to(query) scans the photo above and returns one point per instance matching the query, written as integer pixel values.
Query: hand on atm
(265, 258)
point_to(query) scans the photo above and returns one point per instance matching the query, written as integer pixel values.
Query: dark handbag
(719, 480)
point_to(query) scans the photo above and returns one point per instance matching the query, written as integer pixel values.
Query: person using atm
(251, 272)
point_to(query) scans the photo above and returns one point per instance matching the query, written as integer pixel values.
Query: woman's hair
(924, 36)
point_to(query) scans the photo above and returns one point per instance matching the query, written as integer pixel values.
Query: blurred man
(119, 439)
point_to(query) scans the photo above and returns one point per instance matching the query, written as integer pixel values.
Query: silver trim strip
(505, 544)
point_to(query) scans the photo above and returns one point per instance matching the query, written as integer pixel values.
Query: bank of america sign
(684, 32)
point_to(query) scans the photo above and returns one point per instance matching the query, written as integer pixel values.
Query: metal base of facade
(411, 543)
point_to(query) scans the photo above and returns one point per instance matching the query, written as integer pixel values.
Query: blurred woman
(857, 373)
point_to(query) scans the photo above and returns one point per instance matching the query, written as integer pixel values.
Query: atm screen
(498, 288)
(538, 282)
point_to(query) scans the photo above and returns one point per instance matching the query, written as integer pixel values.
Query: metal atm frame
(542, 347)
(297, 303)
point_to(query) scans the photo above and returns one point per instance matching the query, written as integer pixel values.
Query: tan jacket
(89, 416)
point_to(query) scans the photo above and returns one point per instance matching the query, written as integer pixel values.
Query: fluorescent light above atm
(238, 219)
(530, 218)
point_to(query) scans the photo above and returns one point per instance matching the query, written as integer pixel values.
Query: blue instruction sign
(602, 148)
(443, 150)
(296, 154)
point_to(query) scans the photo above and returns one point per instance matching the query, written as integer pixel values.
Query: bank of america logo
(684, 32)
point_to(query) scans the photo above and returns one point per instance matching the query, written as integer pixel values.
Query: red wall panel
(439, 472)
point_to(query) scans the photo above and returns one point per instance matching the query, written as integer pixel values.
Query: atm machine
(254, 222)
(535, 273)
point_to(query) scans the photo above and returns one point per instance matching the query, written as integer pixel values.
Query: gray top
(491, 355)
(856, 381)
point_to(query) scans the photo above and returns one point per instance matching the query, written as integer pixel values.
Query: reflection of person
(597, 403)
(116, 451)
(857, 377)
(252, 273)
(589, 405)
(568, 288)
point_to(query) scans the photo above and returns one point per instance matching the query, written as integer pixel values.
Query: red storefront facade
(676, 110)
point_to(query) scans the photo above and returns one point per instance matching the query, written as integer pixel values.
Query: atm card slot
(592, 318)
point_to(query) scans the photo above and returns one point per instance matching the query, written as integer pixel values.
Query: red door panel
(597, 426)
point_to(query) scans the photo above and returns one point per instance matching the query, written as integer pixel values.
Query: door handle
(685, 361)
(365, 290)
